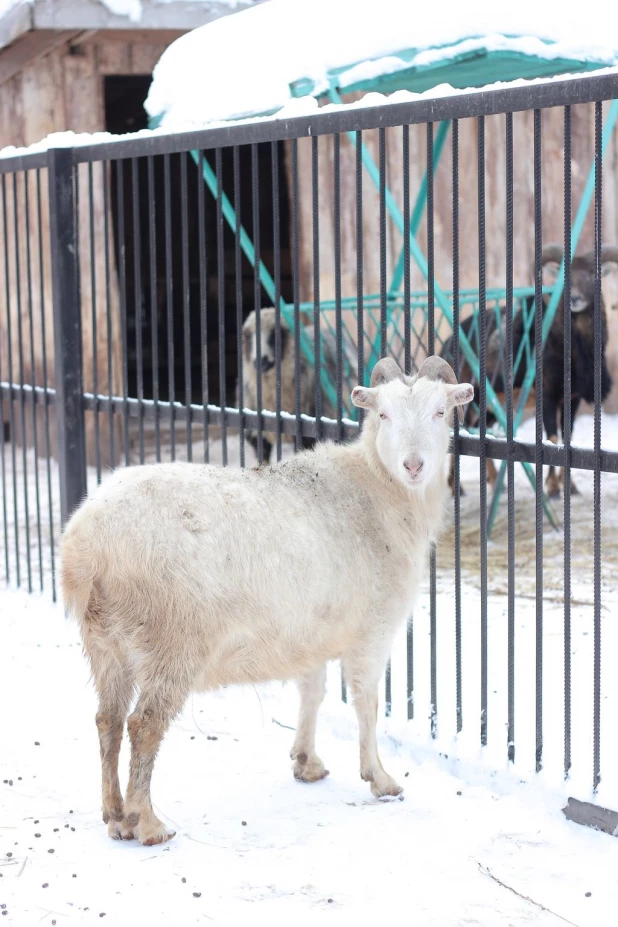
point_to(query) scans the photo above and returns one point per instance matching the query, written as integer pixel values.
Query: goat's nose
(413, 465)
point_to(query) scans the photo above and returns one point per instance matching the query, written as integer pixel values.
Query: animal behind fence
(298, 374)
(582, 348)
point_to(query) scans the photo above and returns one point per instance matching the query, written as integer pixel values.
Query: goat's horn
(552, 252)
(436, 368)
(384, 371)
(609, 253)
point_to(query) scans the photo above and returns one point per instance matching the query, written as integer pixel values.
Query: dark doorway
(161, 280)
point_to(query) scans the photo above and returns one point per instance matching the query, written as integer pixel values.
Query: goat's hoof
(151, 833)
(120, 830)
(385, 786)
(553, 492)
(574, 490)
(312, 770)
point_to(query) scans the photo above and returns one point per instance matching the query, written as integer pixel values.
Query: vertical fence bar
(22, 398)
(186, 295)
(538, 345)
(407, 352)
(598, 360)
(277, 275)
(35, 440)
(154, 304)
(296, 291)
(360, 320)
(566, 437)
(483, 419)
(108, 311)
(5, 520)
(137, 298)
(201, 237)
(407, 360)
(50, 505)
(456, 457)
(9, 345)
(239, 306)
(122, 272)
(93, 317)
(257, 296)
(315, 173)
(67, 332)
(430, 245)
(510, 446)
(383, 306)
(337, 243)
(169, 300)
(383, 327)
(431, 347)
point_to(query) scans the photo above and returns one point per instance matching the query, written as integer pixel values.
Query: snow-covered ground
(253, 844)
(434, 854)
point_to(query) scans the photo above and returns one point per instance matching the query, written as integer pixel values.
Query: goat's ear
(609, 266)
(364, 397)
(459, 395)
(550, 273)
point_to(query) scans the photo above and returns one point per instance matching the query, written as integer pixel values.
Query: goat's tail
(77, 575)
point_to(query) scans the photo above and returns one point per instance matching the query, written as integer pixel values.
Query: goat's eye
(440, 413)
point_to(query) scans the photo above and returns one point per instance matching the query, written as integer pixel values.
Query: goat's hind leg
(308, 767)
(161, 699)
(114, 685)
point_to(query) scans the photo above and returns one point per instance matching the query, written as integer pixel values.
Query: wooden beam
(133, 36)
(29, 47)
(584, 812)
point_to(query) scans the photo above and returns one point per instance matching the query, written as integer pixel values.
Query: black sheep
(582, 349)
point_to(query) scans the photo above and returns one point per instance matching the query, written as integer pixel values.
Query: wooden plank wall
(60, 91)
(495, 207)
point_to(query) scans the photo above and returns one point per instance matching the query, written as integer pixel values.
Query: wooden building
(74, 65)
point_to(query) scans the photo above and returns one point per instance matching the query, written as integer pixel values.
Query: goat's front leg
(363, 673)
(308, 767)
(550, 421)
(575, 401)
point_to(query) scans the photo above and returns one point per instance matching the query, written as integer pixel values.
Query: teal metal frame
(463, 70)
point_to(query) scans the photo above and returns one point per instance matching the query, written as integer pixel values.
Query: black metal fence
(130, 268)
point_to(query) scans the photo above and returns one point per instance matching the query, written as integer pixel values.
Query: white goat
(188, 577)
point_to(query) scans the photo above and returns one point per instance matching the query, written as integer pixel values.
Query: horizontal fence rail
(215, 296)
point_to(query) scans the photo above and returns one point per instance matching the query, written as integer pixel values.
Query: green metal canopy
(455, 64)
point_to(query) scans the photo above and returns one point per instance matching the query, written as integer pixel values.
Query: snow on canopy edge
(303, 106)
(245, 65)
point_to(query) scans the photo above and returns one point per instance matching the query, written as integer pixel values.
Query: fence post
(67, 332)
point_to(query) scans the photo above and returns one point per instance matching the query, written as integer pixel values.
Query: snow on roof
(243, 65)
(133, 8)
(99, 14)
